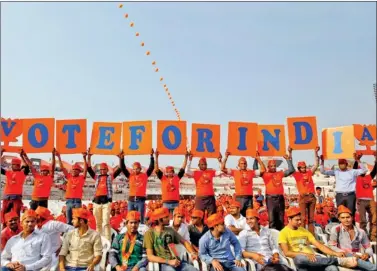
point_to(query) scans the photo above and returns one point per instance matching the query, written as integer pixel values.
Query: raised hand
(317, 149)
(152, 152)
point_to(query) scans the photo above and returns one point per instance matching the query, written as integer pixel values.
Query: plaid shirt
(109, 185)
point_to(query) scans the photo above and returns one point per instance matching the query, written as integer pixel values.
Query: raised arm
(223, 164)
(26, 168)
(118, 171)
(123, 167)
(3, 171)
(261, 164)
(27, 161)
(362, 170)
(288, 158)
(189, 172)
(84, 155)
(53, 163)
(157, 171)
(322, 168)
(90, 169)
(65, 171)
(151, 164)
(181, 172)
(374, 170)
(316, 159)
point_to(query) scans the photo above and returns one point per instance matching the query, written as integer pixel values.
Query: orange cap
(28, 213)
(203, 160)
(133, 215)
(271, 163)
(252, 213)
(301, 164)
(198, 213)
(235, 203)
(343, 209)
(318, 205)
(10, 215)
(80, 213)
(137, 164)
(76, 166)
(160, 213)
(293, 211)
(43, 212)
(103, 166)
(44, 167)
(16, 161)
(179, 211)
(214, 220)
(169, 168)
(330, 204)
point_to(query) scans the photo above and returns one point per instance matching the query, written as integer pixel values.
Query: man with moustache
(12, 221)
(197, 228)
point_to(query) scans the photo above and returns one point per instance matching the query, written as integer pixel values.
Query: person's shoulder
(94, 233)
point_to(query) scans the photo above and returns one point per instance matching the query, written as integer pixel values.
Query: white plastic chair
(289, 261)
(106, 245)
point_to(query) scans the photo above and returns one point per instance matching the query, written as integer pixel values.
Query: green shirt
(159, 242)
(136, 255)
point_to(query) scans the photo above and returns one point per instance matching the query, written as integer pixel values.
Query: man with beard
(170, 183)
(273, 181)
(345, 182)
(159, 242)
(197, 228)
(28, 250)
(305, 187)
(82, 247)
(205, 195)
(214, 246)
(127, 253)
(234, 220)
(14, 183)
(243, 179)
(12, 228)
(257, 242)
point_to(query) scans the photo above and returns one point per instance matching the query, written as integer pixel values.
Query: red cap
(293, 211)
(301, 164)
(203, 160)
(342, 161)
(10, 215)
(45, 168)
(16, 161)
(103, 166)
(271, 163)
(169, 168)
(76, 166)
(137, 165)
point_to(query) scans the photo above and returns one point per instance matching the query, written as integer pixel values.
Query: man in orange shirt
(305, 187)
(138, 186)
(43, 182)
(273, 181)
(170, 183)
(205, 195)
(75, 184)
(14, 182)
(13, 228)
(320, 217)
(243, 179)
(103, 195)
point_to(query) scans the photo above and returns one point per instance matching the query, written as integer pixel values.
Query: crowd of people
(274, 231)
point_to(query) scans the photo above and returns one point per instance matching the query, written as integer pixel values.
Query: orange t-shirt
(102, 186)
(42, 186)
(304, 181)
(14, 182)
(138, 184)
(75, 187)
(204, 182)
(170, 188)
(92, 222)
(243, 182)
(364, 188)
(274, 183)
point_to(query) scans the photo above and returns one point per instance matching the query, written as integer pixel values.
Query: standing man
(43, 182)
(170, 183)
(305, 187)
(103, 194)
(243, 179)
(345, 182)
(138, 182)
(205, 195)
(365, 200)
(14, 184)
(75, 185)
(273, 181)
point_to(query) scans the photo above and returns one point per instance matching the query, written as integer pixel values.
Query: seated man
(160, 241)
(126, 252)
(320, 218)
(257, 242)
(348, 238)
(234, 220)
(197, 228)
(82, 247)
(178, 223)
(214, 246)
(28, 250)
(295, 242)
(12, 228)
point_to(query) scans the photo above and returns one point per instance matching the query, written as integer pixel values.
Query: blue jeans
(139, 206)
(68, 268)
(363, 265)
(303, 263)
(229, 266)
(140, 269)
(71, 203)
(171, 206)
(184, 266)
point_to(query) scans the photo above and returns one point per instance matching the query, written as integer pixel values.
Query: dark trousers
(348, 200)
(35, 203)
(275, 209)
(368, 206)
(246, 202)
(307, 205)
(206, 203)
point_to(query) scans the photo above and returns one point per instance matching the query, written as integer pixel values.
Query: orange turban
(103, 166)
(235, 204)
(293, 211)
(179, 211)
(160, 213)
(252, 213)
(271, 163)
(343, 209)
(10, 215)
(198, 213)
(28, 213)
(44, 213)
(133, 215)
(214, 220)
(80, 213)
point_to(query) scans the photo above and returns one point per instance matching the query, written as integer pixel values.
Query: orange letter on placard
(205, 140)
(242, 138)
(10, 130)
(38, 135)
(106, 138)
(71, 136)
(366, 135)
(137, 137)
(171, 137)
(302, 133)
(271, 140)
(338, 142)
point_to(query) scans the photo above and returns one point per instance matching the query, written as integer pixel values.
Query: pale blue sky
(257, 62)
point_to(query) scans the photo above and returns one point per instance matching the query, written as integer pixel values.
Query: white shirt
(34, 252)
(53, 229)
(239, 223)
(182, 231)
